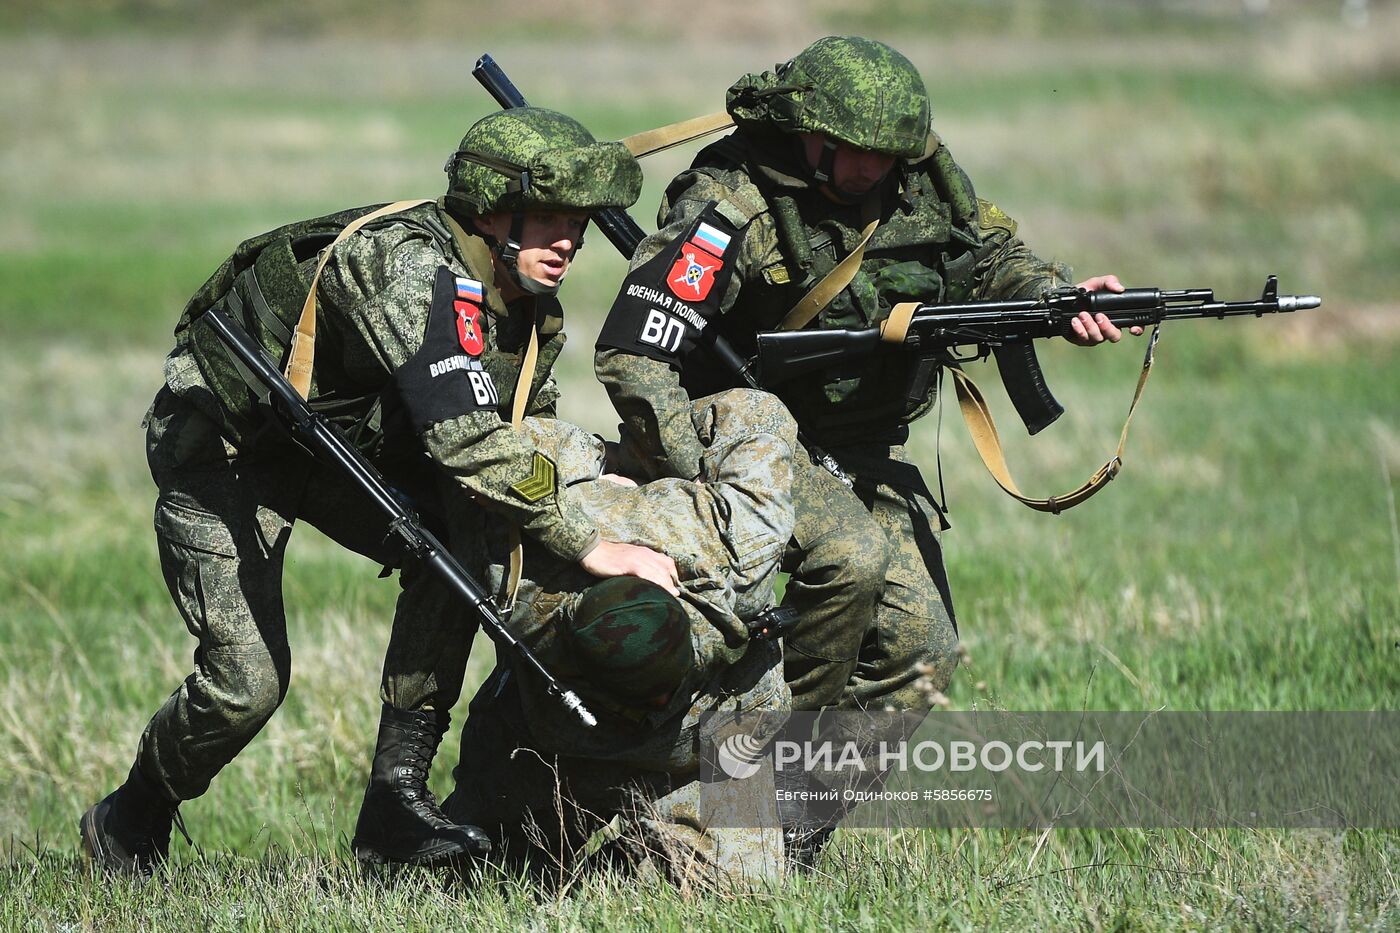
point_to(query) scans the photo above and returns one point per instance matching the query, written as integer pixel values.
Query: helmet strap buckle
(826, 165)
(510, 251)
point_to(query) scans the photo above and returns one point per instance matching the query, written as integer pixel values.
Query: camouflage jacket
(414, 350)
(743, 236)
(727, 536)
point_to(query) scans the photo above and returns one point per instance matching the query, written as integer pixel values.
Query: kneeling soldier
(649, 665)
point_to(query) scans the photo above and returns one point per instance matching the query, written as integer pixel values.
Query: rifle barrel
(497, 83)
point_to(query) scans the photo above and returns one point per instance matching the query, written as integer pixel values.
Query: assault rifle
(626, 234)
(326, 444)
(1006, 329)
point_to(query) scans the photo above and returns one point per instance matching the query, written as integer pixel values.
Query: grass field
(1248, 557)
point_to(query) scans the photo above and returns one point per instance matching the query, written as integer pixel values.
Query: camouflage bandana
(632, 639)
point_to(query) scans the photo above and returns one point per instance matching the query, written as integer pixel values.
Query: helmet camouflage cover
(531, 159)
(855, 90)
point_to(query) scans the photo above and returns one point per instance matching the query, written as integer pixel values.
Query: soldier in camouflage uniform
(647, 665)
(829, 143)
(422, 316)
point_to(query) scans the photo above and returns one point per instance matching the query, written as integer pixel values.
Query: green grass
(1248, 556)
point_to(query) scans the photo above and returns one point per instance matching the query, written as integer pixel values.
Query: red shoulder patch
(469, 327)
(692, 275)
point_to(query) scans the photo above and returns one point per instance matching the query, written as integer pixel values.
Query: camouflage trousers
(553, 815)
(876, 625)
(222, 527)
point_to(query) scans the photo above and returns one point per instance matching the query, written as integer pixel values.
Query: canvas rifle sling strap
(831, 284)
(647, 142)
(983, 429)
(303, 350)
(517, 416)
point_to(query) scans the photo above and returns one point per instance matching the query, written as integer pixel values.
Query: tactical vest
(263, 286)
(922, 251)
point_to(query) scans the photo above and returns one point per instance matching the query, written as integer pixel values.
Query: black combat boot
(128, 831)
(807, 823)
(400, 820)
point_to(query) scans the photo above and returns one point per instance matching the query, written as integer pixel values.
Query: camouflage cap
(631, 638)
(855, 90)
(531, 159)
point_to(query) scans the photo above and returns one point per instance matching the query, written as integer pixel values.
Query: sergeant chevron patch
(540, 482)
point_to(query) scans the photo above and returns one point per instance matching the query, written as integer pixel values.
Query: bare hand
(1093, 329)
(615, 559)
(619, 479)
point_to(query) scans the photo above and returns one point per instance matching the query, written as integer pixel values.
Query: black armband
(665, 303)
(445, 377)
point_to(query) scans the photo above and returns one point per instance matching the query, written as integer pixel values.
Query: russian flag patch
(711, 239)
(469, 290)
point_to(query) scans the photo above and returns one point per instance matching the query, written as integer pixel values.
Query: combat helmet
(858, 91)
(532, 159)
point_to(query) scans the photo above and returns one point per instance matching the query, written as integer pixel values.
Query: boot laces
(416, 761)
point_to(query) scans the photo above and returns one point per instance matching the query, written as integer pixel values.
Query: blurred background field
(1247, 557)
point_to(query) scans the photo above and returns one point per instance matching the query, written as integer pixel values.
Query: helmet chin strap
(826, 164)
(508, 254)
(534, 287)
(825, 169)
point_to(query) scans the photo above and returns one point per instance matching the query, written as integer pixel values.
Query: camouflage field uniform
(529, 768)
(744, 233)
(225, 511)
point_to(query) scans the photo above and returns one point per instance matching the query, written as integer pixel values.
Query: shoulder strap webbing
(517, 417)
(831, 284)
(647, 142)
(518, 402)
(303, 350)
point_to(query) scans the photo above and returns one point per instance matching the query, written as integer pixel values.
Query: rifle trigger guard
(981, 352)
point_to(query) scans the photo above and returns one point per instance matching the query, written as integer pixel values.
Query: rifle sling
(988, 443)
(647, 142)
(517, 417)
(831, 284)
(302, 353)
(518, 402)
(896, 327)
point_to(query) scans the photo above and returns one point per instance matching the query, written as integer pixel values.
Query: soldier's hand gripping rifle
(1006, 328)
(327, 445)
(626, 234)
